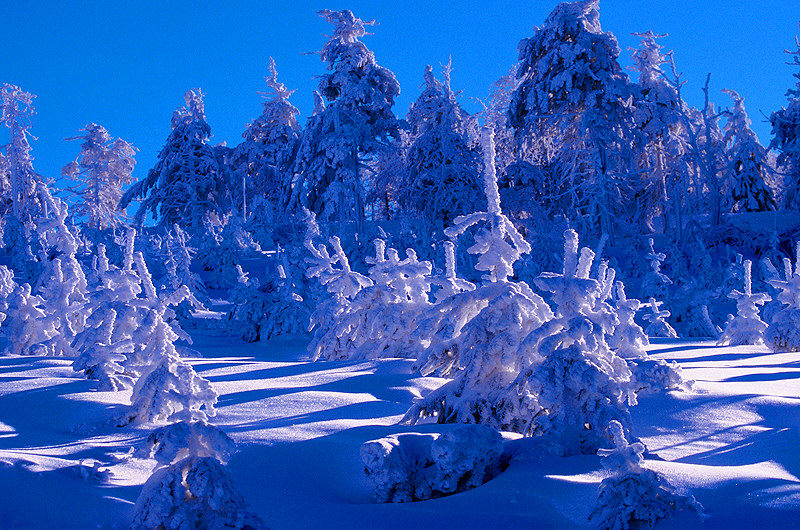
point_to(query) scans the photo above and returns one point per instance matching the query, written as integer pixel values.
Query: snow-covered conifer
(573, 382)
(17, 108)
(629, 339)
(102, 168)
(656, 283)
(633, 496)
(572, 91)
(261, 161)
(658, 325)
(746, 327)
(188, 181)
(748, 168)
(354, 126)
(783, 333)
(26, 324)
(443, 178)
(786, 137)
(474, 336)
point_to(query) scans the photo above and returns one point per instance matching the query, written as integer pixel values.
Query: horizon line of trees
(576, 138)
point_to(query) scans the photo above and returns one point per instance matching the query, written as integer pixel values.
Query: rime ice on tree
(628, 339)
(658, 326)
(783, 333)
(633, 496)
(746, 327)
(475, 335)
(655, 282)
(573, 382)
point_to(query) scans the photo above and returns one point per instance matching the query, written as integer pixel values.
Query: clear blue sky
(126, 65)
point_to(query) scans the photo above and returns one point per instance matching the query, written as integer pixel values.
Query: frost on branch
(633, 497)
(746, 327)
(414, 466)
(783, 333)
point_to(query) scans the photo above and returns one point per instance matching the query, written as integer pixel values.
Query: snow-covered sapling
(475, 335)
(633, 496)
(658, 325)
(656, 283)
(746, 327)
(573, 382)
(783, 333)
(629, 339)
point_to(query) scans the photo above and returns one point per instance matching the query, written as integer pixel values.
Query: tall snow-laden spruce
(23, 181)
(573, 92)
(355, 125)
(443, 177)
(661, 157)
(188, 181)
(260, 163)
(102, 168)
(474, 335)
(748, 168)
(786, 137)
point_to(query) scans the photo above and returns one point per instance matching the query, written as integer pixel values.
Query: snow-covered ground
(732, 443)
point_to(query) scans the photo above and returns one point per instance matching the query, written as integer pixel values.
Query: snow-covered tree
(786, 137)
(655, 283)
(443, 177)
(17, 109)
(261, 161)
(661, 159)
(572, 90)
(26, 324)
(188, 181)
(102, 168)
(192, 489)
(633, 496)
(658, 325)
(629, 339)
(168, 388)
(746, 327)
(355, 126)
(783, 333)
(748, 166)
(573, 382)
(475, 335)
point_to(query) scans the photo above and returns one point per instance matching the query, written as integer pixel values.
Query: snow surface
(732, 442)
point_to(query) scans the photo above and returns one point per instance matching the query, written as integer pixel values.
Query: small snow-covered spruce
(194, 490)
(629, 339)
(573, 382)
(168, 388)
(658, 325)
(475, 335)
(334, 272)
(656, 283)
(62, 284)
(449, 283)
(7, 286)
(783, 333)
(377, 321)
(633, 496)
(105, 343)
(629, 342)
(26, 325)
(746, 327)
(415, 466)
